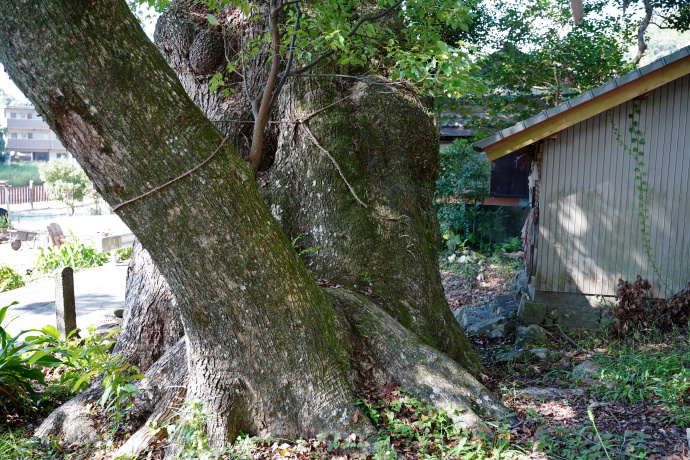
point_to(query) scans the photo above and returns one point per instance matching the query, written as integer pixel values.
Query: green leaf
(111, 333)
(130, 388)
(51, 331)
(106, 395)
(212, 19)
(36, 356)
(48, 361)
(3, 311)
(82, 379)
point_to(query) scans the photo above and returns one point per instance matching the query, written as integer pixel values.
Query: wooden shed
(609, 188)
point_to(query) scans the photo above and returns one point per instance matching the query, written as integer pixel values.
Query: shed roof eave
(589, 104)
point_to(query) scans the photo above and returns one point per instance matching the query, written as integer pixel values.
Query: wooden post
(65, 309)
(31, 193)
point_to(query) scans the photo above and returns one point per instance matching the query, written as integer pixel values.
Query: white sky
(7, 86)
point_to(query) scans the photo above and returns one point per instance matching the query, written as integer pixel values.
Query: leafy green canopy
(404, 41)
(464, 173)
(64, 181)
(535, 57)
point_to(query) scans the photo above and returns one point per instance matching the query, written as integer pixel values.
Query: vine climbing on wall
(636, 151)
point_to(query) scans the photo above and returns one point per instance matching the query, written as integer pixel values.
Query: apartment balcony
(33, 145)
(21, 123)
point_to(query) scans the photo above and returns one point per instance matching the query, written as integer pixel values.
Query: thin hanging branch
(352, 190)
(291, 55)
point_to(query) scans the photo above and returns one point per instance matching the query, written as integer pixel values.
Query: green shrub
(123, 254)
(19, 174)
(65, 181)
(464, 173)
(9, 279)
(89, 357)
(5, 222)
(465, 176)
(19, 364)
(74, 254)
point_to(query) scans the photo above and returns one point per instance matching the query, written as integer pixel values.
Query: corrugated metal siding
(590, 234)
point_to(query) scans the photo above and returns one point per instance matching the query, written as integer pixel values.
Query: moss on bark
(387, 149)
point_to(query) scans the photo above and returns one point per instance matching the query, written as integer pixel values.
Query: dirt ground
(554, 407)
(560, 416)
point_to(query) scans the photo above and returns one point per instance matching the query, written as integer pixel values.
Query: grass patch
(19, 174)
(498, 263)
(645, 368)
(581, 442)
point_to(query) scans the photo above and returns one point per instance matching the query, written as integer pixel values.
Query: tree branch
(353, 77)
(291, 55)
(264, 113)
(361, 21)
(641, 29)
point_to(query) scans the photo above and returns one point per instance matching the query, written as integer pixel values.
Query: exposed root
(162, 388)
(73, 422)
(160, 395)
(400, 357)
(397, 357)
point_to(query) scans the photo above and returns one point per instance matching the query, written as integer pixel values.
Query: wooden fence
(21, 195)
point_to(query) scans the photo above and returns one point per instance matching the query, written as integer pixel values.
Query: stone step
(472, 314)
(504, 306)
(482, 318)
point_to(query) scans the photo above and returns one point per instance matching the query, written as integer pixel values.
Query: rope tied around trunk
(170, 182)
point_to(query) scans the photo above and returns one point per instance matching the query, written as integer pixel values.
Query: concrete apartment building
(29, 138)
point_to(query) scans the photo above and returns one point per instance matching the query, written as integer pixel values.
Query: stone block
(540, 354)
(503, 305)
(526, 336)
(494, 328)
(473, 314)
(572, 310)
(519, 286)
(513, 355)
(114, 242)
(532, 312)
(587, 369)
(65, 309)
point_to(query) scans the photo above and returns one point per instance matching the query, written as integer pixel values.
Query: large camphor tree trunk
(383, 144)
(267, 349)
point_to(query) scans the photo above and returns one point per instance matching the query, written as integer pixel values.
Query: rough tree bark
(267, 349)
(151, 323)
(385, 146)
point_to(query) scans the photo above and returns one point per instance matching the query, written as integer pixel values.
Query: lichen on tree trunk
(266, 347)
